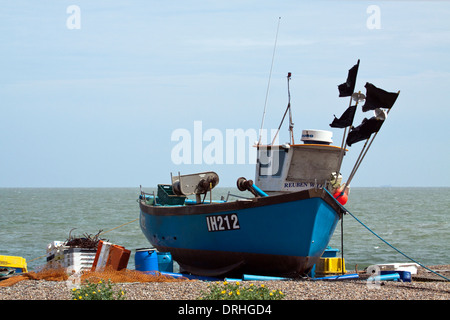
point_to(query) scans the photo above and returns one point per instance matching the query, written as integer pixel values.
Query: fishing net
(45, 274)
(88, 241)
(115, 276)
(127, 275)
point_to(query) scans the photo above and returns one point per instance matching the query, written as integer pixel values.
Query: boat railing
(236, 196)
(152, 199)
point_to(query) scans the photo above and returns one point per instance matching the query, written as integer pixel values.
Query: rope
(396, 248)
(37, 258)
(119, 226)
(420, 264)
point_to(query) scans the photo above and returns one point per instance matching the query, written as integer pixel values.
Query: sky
(92, 92)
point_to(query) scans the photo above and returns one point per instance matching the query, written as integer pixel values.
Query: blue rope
(396, 248)
(388, 242)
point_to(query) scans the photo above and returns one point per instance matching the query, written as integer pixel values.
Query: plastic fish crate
(330, 253)
(330, 266)
(411, 267)
(55, 254)
(79, 259)
(110, 255)
(166, 196)
(18, 263)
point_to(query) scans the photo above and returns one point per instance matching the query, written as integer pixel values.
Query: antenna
(288, 108)
(268, 84)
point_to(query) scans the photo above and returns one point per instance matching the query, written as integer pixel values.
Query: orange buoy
(340, 196)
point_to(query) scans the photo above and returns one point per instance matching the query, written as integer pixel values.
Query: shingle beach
(424, 286)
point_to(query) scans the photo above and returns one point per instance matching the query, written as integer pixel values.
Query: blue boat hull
(280, 235)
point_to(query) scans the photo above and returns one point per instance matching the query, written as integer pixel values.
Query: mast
(346, 89)
(382, 116)
(375, 99)
(288, 108)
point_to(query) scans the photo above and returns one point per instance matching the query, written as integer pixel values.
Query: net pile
(122, 276)
(127, 275)
(45, 274)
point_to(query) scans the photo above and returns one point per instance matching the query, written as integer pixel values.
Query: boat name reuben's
(223, 222)
(302, 184)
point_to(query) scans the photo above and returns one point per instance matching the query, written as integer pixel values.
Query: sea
(414, 221)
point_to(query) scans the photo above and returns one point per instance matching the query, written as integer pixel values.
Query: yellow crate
(330, 266)
(13, 262)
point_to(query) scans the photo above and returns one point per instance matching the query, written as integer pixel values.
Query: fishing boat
(285, 226)
(282, 234)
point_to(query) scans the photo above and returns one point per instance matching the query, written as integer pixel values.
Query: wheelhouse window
(271, 161)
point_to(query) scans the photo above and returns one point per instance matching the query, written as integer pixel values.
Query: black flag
(346, 119)
(378, 98)
(347, 88)
(364, 130)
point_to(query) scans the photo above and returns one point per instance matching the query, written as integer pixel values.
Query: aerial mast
(268, 84)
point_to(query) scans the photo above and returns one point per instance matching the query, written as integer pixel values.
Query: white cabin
(295, 167)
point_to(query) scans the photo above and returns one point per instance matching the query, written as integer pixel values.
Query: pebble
(292, 289)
